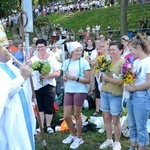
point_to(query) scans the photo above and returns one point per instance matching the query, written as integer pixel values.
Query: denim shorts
(111, 103)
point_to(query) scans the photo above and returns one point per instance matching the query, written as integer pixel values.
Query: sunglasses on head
(124, 39)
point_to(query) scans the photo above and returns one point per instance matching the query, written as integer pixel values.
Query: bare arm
(143, 86)
(85, 80)
(51, 75)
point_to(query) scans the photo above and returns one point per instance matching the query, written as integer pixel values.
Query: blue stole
(26, 113)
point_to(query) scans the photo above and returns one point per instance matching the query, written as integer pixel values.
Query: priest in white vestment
(17, 121)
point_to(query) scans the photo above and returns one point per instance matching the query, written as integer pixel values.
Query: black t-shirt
(88, 50)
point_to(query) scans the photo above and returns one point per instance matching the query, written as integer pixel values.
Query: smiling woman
(45, 90)
(111, 97)
(76, 77)
(138, 105)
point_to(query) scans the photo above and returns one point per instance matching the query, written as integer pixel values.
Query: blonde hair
(140, 40)
(35, 39)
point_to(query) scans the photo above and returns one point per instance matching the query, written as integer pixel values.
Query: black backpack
(91, 101)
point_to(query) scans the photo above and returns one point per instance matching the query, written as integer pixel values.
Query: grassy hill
(109, 16)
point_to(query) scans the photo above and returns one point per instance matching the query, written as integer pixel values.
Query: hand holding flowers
(43, 68)
(105, 78)
(128, 78)
(127, 73)
(102, 64)
(130, 88)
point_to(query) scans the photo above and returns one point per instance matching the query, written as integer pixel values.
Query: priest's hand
(26, 71)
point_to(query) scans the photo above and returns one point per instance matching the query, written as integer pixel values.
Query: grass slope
(105, 16)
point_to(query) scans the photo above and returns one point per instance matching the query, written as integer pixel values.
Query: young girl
(139, 104)
(76, 75)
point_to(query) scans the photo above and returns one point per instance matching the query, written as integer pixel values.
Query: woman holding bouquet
(101, 49)
(139, 103)
(76, 77)
(45, 90)
(111, 97)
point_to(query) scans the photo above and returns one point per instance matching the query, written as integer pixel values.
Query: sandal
(95, 113)
(50, 130)
(37, 131)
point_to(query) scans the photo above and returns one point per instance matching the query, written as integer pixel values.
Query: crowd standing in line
(109, 91)
(117, 53)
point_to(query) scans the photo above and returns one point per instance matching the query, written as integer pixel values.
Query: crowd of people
(77, 72)
(80, 5)
(76, 75)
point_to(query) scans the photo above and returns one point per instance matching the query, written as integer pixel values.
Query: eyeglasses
(38, 47)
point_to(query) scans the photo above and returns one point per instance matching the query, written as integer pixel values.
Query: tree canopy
(8, 7)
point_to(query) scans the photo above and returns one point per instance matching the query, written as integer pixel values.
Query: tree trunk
(40, 2)
(123, 17)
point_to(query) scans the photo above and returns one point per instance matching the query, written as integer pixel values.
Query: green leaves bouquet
(43, 67)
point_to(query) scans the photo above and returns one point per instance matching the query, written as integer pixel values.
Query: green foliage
(46, 67)
(37, 65)
(9, 7)
(43, 67)
(41, 21)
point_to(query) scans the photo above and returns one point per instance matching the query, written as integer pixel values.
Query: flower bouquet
(102, 64)
(128, 78)
(42, 67)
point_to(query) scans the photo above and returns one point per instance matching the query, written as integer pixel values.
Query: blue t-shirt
(19, 56)
(75, 68)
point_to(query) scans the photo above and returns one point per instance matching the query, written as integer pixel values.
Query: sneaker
(117, 146)
(101, 130)
(106, 144)
(69, 139)
(132, 148)
(76, 143)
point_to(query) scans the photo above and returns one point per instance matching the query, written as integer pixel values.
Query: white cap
(125, 37)
(73, 46)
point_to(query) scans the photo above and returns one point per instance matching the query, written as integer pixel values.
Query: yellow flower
(102, 64)
(128, 79)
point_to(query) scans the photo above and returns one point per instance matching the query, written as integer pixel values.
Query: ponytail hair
(140, 40)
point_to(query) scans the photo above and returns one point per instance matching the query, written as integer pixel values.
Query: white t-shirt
(141, 68)
(126, 53)
(54, 67)
(97, 27)
(93, 54)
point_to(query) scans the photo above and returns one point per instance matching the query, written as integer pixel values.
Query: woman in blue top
(19, 55)
(76, 77)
